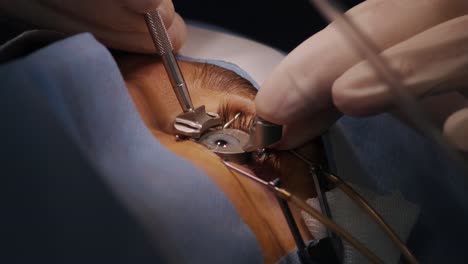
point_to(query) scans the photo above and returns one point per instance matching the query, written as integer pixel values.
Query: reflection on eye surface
(220, 139)
(227, 143)
(221, 143)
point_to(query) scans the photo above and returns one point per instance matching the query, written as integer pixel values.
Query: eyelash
(227, 112)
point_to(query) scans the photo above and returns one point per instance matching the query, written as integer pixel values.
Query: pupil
(221, 143)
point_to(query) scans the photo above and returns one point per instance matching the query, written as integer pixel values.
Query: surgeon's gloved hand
(426, 41)
(118, 24)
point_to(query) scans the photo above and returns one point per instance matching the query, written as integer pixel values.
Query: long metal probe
(164, 48)
(323, 202)
(284, 194)
(361, 202)
(302, 249)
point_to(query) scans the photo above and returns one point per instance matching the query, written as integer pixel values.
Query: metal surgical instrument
(263, 134)
(192, 122)
(289, 197)
(360, 201)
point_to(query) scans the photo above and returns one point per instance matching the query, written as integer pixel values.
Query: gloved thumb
(142, 6)
(456, 129)
(297, 94)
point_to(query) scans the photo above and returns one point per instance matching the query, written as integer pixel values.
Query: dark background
(280, 24)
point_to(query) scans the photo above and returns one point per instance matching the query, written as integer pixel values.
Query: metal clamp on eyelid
(263, 134)
(194, 123)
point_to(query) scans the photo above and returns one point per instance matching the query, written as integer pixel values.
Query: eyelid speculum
(194, 123)
(238, 146)
(263, 134)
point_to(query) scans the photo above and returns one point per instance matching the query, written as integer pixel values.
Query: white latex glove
(118, 24)
(426, 41)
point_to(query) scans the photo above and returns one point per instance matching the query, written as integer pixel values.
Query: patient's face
(223, 92)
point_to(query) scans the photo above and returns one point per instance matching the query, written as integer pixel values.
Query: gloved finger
(141, 42)
(456, 129)
(301, 84)
(437, 109)
(177, 32)
(142, 6)
(103, 14)
(167, 11)
(135, 24)
(295, 133)
(137, 39)
(432, 62)
(110, 21)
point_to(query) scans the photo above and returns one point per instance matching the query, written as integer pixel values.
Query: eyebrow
(220, 79)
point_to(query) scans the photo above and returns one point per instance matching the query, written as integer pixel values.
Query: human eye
(228, 141)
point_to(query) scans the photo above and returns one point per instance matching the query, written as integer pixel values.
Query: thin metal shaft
(318, 183)
(164, 48)
(361, 202)
(284, 194)
(296, 234)
(337, 229)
